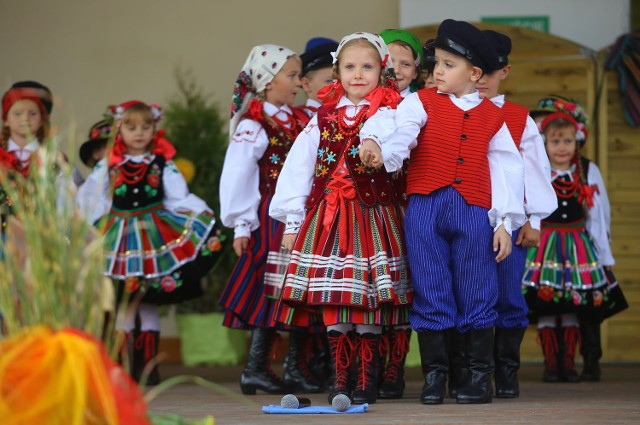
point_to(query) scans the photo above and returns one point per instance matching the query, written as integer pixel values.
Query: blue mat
(272, 408)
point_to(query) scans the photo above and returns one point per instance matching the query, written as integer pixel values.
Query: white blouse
(240, 180)
(540, 197)
(396, 133)
(94, 199)
(296, 178)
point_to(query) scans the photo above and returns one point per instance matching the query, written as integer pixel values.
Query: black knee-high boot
(340, 346)
(478, 388)
(145, 352)
(297, 375)
(434, 356)
(570, 341)
(366, 390)
(591, 349)
(458, 368)
(393, 380)
(507, 360)
(257, 374)
(547, 338)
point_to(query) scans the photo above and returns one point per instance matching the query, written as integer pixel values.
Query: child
(429, 64)
(575, 237)
(348, 261)
(317, 70)
(94, 149)
(407, 56)
(540, 202)
(263, 128)
(159, 240)
(465, 177)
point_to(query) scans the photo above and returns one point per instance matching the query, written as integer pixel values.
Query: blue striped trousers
(511, 307)
(453, 267)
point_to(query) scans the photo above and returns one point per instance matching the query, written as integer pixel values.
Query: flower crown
(117, 111)
(575, 110)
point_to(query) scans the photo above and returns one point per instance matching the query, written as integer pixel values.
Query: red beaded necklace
(288, 126)
(138, 170)
(566, 189)
(349, 130)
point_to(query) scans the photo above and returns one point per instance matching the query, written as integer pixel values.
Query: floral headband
(117, 111)
(575, 111)
(581, 130)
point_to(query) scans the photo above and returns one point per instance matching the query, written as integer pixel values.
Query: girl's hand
(502, 241)
(240, 245)
(288, 240)
(370, 154)
(527, 237)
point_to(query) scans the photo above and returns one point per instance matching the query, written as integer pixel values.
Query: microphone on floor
(341, 402)
(291, 401)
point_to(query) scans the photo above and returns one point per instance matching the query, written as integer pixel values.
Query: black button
(458, 180)
(463, 137)
(460, 160)
(466, 115)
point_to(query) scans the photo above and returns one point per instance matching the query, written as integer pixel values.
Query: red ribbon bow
(585, 193)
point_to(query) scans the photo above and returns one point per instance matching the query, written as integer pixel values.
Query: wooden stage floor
(614, 400)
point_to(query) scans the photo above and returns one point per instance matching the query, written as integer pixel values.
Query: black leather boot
(434, 356)
(458, 367)
(478, 388)
(393, 380)
(548, 340)
(507, 360)
(145, 352)
(571, 337)
(297, 375)
(366, 390)
(341, 346)
(257, 374)
(591, 350)
(320, 360)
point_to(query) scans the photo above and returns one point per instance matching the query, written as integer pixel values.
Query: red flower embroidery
(597, 298)
(545, 293)
(153, 180)
(577, 298)
(214, 244)
(118, 179)
(168, 284)
(131, 284)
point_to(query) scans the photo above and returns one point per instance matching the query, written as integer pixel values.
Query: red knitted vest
(515, 116)
(452, 148)
(371, 185)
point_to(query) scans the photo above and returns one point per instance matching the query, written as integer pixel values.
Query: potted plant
(193, 124)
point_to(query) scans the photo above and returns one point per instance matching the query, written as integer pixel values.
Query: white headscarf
(374, 39)
(262, 65)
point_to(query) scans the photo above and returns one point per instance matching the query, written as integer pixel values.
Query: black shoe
(366, 390)
(341, 346)
(297, 375)
(392, 386)
(507, 360)
(478, 389)
(434, 357)
(257, 374)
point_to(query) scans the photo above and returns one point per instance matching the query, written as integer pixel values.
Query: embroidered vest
(452, 148)
(569, 209)
(515, 116)
(372, 186)
(145, 192)
(280, 143)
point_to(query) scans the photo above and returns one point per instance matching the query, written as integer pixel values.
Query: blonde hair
(358, 42)
(138, 110)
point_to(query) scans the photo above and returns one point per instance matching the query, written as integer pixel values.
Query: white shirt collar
(498, 100)
(272, 109)
(406, 92)
(313, 103)
(344, 101)
(31, 147)
(146, 157)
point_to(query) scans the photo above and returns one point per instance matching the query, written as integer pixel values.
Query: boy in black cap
(465, 186)
(317, 70)
(94, 149)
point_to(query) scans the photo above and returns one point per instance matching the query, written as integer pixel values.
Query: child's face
(137, 134)
(282, 90)
(454, 74)
(489, 84)
(404, 65)
(359, 71)
(315, 80)
(429, 81)
(24, 119)
(560, 143)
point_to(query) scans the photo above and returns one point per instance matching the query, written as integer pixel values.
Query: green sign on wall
(538, 23)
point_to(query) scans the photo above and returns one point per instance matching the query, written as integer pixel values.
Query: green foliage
(194, 126)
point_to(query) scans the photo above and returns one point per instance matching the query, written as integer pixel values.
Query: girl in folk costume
(407, 56)
(343, 225)
(569, 276)
(263, 127)
(159, 240)
(539, 202)
(465, 187)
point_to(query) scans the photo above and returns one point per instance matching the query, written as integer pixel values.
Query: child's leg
(570, 341)
(591, 348)
(548, 340)
(146, 344)
(341, 346)
(366, 390)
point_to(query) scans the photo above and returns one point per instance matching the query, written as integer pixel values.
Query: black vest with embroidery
(140, 193)
(569, 209)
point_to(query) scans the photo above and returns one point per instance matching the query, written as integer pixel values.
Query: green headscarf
(389, 36)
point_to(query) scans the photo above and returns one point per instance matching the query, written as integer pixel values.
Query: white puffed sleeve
(93, 198)
(507, 182)
(296, 178)
(176, 192)
(540, 197)
(240, 180)
(599, 217)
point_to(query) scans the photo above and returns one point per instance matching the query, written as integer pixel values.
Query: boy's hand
(288, 240)
(501, 241)
(528, 237)
(370, 154)
(240, 245)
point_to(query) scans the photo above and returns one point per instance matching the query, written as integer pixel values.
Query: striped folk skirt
(348, 265)
(565, 276)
